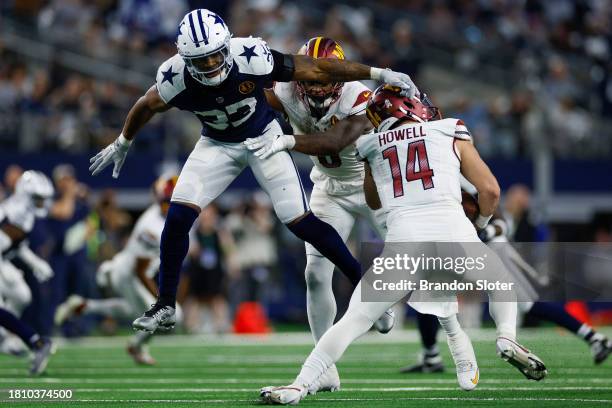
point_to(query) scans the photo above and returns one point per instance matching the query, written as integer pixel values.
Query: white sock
(114, 307)
(504, 315)
(332, 345)
(458, 341)
(320, 300)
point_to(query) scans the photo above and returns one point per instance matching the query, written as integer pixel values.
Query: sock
(332, 345)
(428, 329)
(586, 332)
(459, 343)
(504, 315)
(114, 307)
(14, 325)
(173, 249)
(320, 300)
(327, 241)
(555, 313)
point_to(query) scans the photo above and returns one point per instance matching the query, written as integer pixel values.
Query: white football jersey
(143, 242)
(416, 166)
(343, 167)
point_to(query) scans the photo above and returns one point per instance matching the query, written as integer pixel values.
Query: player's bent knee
(319, 272)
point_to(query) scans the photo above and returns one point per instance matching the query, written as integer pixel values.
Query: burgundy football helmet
(387, 106)
(319, 96)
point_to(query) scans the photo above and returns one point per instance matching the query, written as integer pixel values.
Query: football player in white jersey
(129, 275)
(337, 197)
(31, 199)
(422, 206)
(221, 80)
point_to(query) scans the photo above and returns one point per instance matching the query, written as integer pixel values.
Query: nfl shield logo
(219, 99)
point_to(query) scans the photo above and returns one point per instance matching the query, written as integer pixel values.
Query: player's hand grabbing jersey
(235, 109)
(344, 166)
(416, 165)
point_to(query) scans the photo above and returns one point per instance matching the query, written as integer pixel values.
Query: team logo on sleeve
(246, 87)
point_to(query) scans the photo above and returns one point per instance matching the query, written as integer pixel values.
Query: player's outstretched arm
(143, 110)
(478, 173)
(140, 270)
(335, 70)
(369, 188)
(331, 141)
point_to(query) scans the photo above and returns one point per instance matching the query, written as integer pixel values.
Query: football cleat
(530, 365)
(158, 317)
(287, 395)
(601, 347)
(41, 356)
(385, 323)
(140, 354)
(73, 306)
(328, 382)
(467, 375)
(427, 365)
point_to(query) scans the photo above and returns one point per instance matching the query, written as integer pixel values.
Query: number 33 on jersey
(235, 109)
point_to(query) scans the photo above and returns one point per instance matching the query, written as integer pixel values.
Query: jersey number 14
(417, 153)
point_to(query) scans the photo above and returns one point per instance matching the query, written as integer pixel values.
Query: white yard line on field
(263, 381)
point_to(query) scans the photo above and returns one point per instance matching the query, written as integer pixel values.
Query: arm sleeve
(284, 67)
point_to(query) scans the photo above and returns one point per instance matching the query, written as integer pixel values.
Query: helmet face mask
(320, 96)
(203, 41)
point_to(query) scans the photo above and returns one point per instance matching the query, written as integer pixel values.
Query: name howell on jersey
(237, 107)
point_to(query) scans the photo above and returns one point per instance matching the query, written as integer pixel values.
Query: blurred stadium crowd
(526, 75)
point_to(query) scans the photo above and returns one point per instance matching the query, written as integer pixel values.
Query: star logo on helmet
(169, 75)
(248, 53)
(218, 19)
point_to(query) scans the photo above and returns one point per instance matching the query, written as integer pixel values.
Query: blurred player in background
(419, 211)
(31, 199)
(221, 80)
(129, 275)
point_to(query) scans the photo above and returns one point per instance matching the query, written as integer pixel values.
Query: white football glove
(266, 145)
(114, 152)
(398, 79)
(40, 268)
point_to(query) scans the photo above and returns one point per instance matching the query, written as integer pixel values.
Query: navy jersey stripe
(202, 27)
(193, 31)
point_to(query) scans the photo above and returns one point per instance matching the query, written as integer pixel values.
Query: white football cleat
(530, 365)
(73, 306)
(328, 382)
(467, 375)
(601, 347)
(385, 323)
(287, 395)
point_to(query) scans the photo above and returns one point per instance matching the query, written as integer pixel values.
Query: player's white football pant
(213, 165)
(14, 291)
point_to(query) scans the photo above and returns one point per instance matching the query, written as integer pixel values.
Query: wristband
(290, 141)
(376, 73)
(123, 141)
(482, 221)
